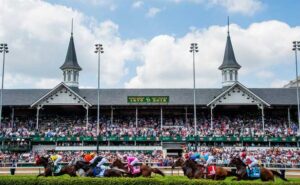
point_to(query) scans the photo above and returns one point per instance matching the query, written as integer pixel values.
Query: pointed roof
(229, 60)
(71, 59)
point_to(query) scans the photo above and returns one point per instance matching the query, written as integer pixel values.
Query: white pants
(102, 162)
(134, 162)
(57, 160)
(253, 163)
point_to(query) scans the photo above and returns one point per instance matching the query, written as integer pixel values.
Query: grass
(156, 177)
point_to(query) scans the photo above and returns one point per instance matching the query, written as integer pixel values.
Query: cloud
(152, 12)
(167, 62)
(245, 7)
(137, 4)
(38, 34)
(277, 83)
(265, 74)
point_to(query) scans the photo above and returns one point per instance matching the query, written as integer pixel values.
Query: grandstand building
(68, 99)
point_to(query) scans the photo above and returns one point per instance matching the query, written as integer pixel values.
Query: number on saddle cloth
(211, 170)
(98, 172)
(254, 173)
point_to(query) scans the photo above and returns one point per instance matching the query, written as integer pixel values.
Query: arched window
(64, 76)
(236, 75)
(225, 75)
(230, 75)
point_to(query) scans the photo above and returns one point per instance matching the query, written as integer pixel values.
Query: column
(112, 115)
(87, 116)
(186, 119)
(161, 118)
(211, 117)
(289, 116)
(12, 116)
(37, 116)
(136, 117)
(263, 118)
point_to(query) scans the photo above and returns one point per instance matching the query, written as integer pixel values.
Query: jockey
(195, 157)
(56, 158)
(88, 157)
(100, 162)
(131, 162)
(209, 158)
(251, 161)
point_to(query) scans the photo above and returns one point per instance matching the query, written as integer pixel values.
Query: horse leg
(41, 174)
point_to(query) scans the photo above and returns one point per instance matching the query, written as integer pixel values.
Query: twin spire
(71, 58)
(71, 67)
(229, 60)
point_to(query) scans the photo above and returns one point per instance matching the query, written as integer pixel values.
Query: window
(69, 75)
(225, 74)
(230, 75)
(64, 75)
(236, 75)
(74, 75)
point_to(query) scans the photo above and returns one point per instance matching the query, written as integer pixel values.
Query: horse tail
(276, 173)
(157, 171)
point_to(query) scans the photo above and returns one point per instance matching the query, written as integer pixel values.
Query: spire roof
(229, 60)
(71, 59)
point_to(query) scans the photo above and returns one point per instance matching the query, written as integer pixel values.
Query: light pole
(4, 50)
(296, 46)
(99, 51)
(194, 49)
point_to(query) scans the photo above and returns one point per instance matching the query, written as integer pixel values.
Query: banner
(148, 99)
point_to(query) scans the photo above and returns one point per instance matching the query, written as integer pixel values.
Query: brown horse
(89, 170)
(44, 161)
(190, 168)
(145, 170)
(193, 170)
(241, 171)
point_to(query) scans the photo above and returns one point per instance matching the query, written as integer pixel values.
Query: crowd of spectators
(222, 126)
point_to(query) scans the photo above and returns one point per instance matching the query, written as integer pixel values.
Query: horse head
(117, 163)
(236, 161)
(41, 161)
(178, 162)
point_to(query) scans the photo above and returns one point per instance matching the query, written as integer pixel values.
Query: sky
(146, 42)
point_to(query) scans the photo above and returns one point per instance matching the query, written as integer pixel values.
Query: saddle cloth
(135, 169)
(57, 169)
(98, 172)
(254, 172)
(211, 170)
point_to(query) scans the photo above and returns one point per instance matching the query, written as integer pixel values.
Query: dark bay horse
(190, 168)
(145, 171)
(241, 171)
(89, 170)
(44, 161)
(193, 170)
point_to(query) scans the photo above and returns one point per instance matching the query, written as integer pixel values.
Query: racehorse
(190, 168)
(193, 170)
(145, 170)
(241, 171)
(89, 170)
(44, 161)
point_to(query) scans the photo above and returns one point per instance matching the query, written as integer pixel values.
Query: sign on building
(147, 99)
